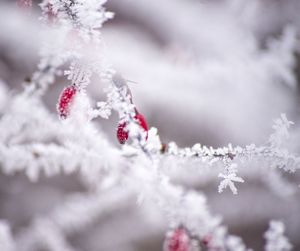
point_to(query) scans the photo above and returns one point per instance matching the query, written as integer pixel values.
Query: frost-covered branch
(35, 141)
(273, 153)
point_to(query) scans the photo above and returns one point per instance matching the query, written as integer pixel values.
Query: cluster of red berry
(122, 133)
(64, 107)
(179, 239)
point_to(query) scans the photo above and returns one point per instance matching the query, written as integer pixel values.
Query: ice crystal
(276, 241)
(229, 179)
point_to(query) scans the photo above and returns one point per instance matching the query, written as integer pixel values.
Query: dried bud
(206, 240)
(163, 148)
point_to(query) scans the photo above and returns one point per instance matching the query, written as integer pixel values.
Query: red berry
(65, 101)
(142, 121)
(122, 133)
(24, 4)
(177, 240)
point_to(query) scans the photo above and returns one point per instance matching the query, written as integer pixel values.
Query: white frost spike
(118, 80)
(79, 76)
(173, 148)
(121, 82)
(80, 109)
(197, 148)
(103, 110)
(91, 13)
(154, 143)
(281, 127)
(229, 179)
(236, 243)
(276, 241)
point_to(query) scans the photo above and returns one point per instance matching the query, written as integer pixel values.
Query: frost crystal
(229, 178)
(281, 127)
(276, 241)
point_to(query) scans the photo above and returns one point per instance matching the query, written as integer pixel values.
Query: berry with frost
(65, 101)
(122, 133)
(142, 122)
(177, 240)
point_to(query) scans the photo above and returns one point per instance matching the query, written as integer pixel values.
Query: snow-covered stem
(273, 153)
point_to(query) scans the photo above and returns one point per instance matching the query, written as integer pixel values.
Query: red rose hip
(122, 134)
(65, 101)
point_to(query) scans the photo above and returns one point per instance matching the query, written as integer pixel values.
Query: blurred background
(208, 71)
